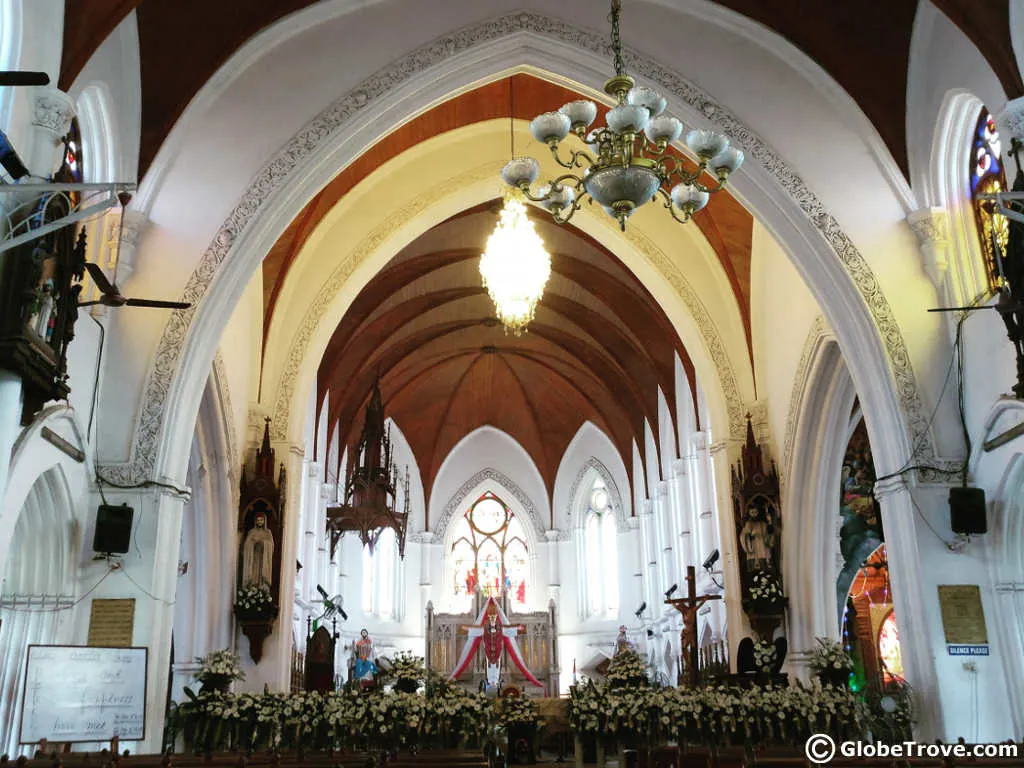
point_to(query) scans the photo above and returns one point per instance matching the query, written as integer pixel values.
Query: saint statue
(366, 658)
(258, 554)
(622, 643)
(758, 538)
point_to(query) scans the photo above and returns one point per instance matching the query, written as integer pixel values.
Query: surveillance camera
(710, 561)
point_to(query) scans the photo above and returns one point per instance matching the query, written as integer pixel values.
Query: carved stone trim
(336, 117)
(1011, 121)
(930, 225)
(593, 463)
(510, 485)
(220, 378)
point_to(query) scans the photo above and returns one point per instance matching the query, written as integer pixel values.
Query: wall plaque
(963, 619)
(111, 623)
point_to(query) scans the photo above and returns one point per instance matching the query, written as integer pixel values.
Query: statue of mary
(258, 554)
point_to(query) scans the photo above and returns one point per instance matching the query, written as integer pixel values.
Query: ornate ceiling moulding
(338, 117)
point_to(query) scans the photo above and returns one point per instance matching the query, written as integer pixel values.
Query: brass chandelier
(628, 163)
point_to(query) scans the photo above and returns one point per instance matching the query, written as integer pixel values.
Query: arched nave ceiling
(598, 350)
(727, 226)
(866, 53)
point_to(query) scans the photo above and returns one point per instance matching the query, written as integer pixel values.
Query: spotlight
(671, 591)
(709, 563)
(9, 159)
(640, 610)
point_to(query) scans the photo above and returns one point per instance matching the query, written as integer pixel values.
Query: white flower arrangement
(765, 588)
(830, 656)
(254, 600)
(225, 665)
(406, 666)
(765, 656)
(627, 669)
(517, 710)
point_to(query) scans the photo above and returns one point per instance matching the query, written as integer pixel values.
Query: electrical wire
(67, 607)
(957, 358)
(145, 591)
(96, 380)
(144, 484)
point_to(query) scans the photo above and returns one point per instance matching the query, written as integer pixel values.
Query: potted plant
(218, 669)
(831, 663)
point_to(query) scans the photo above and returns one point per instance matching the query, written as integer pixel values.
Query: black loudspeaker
(113, 529)
(967, 510)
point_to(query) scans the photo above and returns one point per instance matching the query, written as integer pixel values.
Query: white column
(665, 520)
(679, 495)
(724, 539)
(554, 564)
(10, 426)
(649, 559)
(910, 600)
(638, 547)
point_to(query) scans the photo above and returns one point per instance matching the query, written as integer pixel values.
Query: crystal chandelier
(515, 265)
(628, 163)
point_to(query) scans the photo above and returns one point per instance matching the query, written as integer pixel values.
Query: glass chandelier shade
(627, 163)
(515, 266)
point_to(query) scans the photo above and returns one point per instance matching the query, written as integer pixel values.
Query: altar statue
(366, 659)
(758, 538)
(258, 554)
(622, 642)
(491, 629)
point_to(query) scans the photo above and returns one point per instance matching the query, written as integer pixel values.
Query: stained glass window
(489, 550)
(73, 151)
(987, 177)
(601, 553)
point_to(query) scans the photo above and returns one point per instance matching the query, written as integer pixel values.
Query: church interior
(627, 383)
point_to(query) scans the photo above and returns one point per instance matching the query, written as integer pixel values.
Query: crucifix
(688, 606)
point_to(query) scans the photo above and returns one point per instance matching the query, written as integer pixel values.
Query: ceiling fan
(8, 78)
(110, 295)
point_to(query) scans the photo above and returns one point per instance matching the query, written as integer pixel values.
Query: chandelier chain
(620, 67)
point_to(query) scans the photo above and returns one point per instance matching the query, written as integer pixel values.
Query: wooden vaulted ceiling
(865, 49)
(598, 350)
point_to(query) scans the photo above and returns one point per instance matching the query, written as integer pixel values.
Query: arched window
(987, 177)
(601, 553)
(73, 151)
(381, 577)
(489, 550)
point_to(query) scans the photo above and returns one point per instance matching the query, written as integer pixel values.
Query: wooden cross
(688, 606)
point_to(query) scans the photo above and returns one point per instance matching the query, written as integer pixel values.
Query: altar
(446, 639)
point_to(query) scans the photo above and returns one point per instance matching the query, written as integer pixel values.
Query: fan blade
(24, 78)
(322, 591)
(344, 615)
(88, 303)
(101, 279)
(157, 304)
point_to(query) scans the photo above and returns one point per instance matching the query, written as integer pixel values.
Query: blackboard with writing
(79, 693)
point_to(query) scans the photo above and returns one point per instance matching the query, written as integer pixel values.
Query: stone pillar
(679, 497)
(664, 517)
(54, 111)
(638, 547)
(10, 424)
(724, 539)
(649, 557)
(554, 564)
(910, 601)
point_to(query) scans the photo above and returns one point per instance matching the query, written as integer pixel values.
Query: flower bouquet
(627, 670)
(766, 657)
(408, 671)
(765, 594)
(254, 602)
(218, 669)
(831, 663)
(519, 717)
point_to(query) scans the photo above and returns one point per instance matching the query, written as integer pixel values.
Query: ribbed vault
(599, 349)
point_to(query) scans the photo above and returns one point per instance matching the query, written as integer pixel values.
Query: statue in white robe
(258, 554)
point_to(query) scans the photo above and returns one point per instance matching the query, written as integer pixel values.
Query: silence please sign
(77, 694)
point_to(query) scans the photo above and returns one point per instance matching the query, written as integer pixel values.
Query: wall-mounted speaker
(113, 529)
(967, 511)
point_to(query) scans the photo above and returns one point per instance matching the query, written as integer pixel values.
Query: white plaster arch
(590, 451)
(822, 400)
(593, 468)
(32, 456)
(800, 221)
(97, 123)
(480, 451)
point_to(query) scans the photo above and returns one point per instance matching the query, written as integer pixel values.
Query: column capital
(633, 522)
(661, 490)
(426, 537)
(930, 225)
(890, 486)
(54, 111)
(678, 468)
(553, 535)
(1010, 121)
(647, 509)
